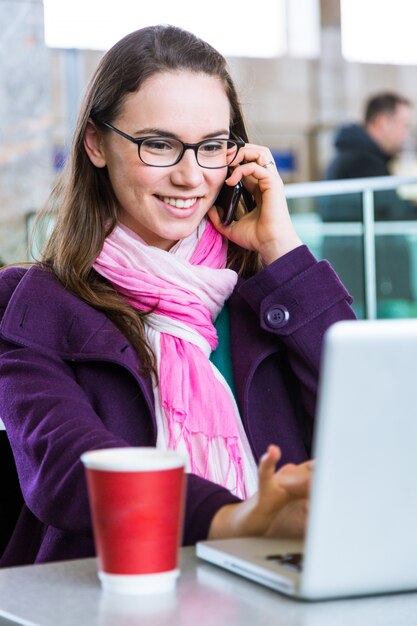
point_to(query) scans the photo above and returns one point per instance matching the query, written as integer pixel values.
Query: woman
(107, 341)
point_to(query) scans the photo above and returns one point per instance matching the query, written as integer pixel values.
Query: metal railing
(368, 228)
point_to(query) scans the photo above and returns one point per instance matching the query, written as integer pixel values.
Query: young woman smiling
(150, 322)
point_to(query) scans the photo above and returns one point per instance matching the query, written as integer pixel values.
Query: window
(379, 31)
(269, 29)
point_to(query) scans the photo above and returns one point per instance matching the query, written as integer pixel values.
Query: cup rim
(132, 458)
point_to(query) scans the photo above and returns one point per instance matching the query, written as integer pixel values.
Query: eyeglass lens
(165, 151)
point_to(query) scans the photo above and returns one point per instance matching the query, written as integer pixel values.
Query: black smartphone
(228, 199)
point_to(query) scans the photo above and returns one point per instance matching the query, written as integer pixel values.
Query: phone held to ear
(228, 199)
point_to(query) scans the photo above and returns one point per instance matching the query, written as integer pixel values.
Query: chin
(181, 233)
(183, 229)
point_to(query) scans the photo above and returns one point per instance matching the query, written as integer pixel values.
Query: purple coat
(70, 382)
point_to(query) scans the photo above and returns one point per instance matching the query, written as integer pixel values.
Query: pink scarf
(195, 408)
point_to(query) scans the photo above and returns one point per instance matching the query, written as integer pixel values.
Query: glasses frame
(185, 146)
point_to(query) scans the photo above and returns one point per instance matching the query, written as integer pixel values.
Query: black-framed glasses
(159, 151)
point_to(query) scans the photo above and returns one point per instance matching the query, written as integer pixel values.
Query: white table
(69, 594)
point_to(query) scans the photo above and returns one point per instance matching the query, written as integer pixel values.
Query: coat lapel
(250, 345)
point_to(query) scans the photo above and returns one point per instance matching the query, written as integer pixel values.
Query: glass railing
(367, 229)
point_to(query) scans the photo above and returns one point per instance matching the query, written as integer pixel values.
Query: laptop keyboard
(292, 560)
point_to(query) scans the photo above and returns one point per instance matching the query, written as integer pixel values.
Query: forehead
(402, 113)
(179, 102)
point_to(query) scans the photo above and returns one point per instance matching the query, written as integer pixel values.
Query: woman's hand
(278, 509)
(268, 229)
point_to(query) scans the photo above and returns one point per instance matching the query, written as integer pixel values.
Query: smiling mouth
(179, 203)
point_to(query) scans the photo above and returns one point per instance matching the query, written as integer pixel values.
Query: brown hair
(386, 102)
(83, 200)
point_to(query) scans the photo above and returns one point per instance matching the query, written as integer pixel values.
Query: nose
(187, 172)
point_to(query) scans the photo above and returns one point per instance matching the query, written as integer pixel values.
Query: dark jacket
(70, 382)
(359, 156)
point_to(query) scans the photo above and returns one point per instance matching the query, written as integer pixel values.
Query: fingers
(254, 153)
(254, 165)
(306, 466)
(223, 229)
(251, 160)
(268, 462)
(253, 175)
(296, 479)
(215, 219)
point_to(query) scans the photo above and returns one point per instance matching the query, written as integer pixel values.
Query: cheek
(119, 171)
(217, 182)
(130, 177)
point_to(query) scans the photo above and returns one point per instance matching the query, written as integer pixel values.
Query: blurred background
(303, 67)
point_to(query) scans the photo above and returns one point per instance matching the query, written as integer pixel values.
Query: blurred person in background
(368, 150)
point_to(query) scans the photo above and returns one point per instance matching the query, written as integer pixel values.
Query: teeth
(179, 203)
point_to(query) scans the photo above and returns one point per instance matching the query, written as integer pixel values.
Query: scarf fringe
(178, 432)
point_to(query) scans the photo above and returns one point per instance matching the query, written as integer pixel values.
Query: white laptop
(362, 528)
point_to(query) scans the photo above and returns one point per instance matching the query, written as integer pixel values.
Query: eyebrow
(159, 132)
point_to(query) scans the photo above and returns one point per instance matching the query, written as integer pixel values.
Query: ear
(93, 144)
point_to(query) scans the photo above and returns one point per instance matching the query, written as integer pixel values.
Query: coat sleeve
(50, 422)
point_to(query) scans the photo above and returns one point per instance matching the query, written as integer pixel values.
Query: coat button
(277, 316)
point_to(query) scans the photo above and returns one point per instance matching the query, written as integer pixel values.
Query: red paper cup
(136, 500)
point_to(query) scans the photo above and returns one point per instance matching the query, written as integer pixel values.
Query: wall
(25, 122)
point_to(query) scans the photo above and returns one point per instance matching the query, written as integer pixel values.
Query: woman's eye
(213, 146)
(158, 145)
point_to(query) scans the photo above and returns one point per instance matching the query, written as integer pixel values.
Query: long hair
(83, 200)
